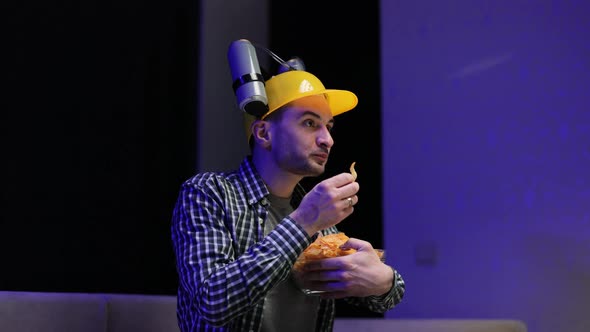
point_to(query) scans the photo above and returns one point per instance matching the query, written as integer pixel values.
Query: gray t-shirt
(286, 308)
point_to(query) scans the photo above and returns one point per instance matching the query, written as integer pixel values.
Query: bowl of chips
(327, 246)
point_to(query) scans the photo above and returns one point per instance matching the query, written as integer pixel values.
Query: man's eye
(309, 123)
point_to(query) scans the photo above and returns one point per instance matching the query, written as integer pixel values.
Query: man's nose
(325, 138)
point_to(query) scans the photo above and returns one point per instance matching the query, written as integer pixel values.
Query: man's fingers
(333, 263)
(359, 245)
(340, 180)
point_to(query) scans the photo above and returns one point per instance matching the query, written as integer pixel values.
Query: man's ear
(261, 132)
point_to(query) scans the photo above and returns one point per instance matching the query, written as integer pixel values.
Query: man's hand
(360, 274)
(327, 204)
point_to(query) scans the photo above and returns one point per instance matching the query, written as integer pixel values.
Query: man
(237, 234)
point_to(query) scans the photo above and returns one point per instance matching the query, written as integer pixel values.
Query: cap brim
(340, 101)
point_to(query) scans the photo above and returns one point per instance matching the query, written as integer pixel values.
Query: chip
(353, 171)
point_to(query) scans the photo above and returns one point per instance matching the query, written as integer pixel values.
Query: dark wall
(99, 134)
(341, 47)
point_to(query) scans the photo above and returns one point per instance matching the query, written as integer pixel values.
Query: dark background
(99, 126)
(100, 134)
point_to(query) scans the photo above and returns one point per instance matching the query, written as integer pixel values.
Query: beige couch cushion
(52, 312)
(428, 325)
(141, 313)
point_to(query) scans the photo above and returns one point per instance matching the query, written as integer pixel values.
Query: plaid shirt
(226, 265)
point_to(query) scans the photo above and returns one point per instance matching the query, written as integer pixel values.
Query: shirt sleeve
(224, 284)
(385, 302)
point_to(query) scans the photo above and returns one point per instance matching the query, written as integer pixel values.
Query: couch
(81, 312)
(73, 312)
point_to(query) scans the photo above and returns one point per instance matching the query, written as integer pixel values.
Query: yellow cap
(291, 85)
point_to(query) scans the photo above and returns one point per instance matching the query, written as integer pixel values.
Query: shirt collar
(255, 187)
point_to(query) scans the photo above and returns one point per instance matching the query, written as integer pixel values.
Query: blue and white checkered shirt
(226, 265)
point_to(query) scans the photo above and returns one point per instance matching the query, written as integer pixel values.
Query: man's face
(301, 139)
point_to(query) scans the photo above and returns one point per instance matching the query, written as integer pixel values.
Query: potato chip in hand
(353, 171)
